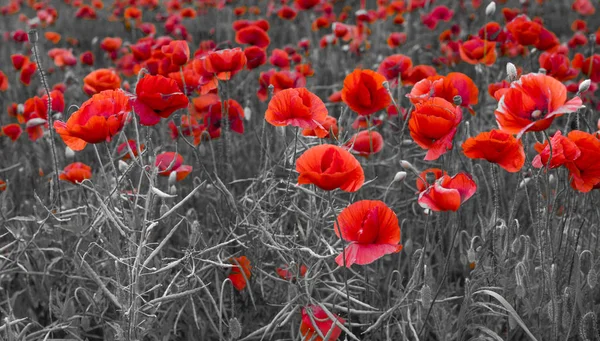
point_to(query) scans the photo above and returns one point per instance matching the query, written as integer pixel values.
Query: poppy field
(299, 170)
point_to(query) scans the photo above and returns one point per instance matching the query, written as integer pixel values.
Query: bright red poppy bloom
(446, 87)
(323, 323)
(492, 31)
(557, 65)
(524, 31)
(448, 193)
(287, 13)
(13, 131)
(563, 151)
(255, 57)
(297, 107)
(253, 35)
(87, 58)
(178, 51)
(76, 172)
(225, 63)
(169, 162)
(532, 103)
(583, 7)
(478, 51)
(157, 96)
(111, 44)
(27, 71)
(547, 40)
(417, 73)
(240, 272)
(328, 126)
(584, 172)
(97, 120)
(364, 92)
(428, 177)
(53, 37)
(371, 228)
(280, 58)
(395, 39)
(498, 147)
(329, 167)
(18, 61)
(3, 82)
(433, 125)
(100, 80)
(57, 99)
(394, 67)
(365, 143)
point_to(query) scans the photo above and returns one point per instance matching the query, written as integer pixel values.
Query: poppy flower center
(369, 228)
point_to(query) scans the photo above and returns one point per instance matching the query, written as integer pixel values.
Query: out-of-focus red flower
(563, 151)
(62, 57)
(583, 7)
(394, 67)
(306, 4)
(287, 13)
(532, 103)
(364, 92)
(547, 40)
(76, 172)
(396, 39)
(335, 97)
(27, 71)
(432, 18)
(280, 58)
(178, 51)
(372, 229)
(255, 57)
(3, 185)
(323, 322)
(240, 272)
(365, 143)
(524, 31)
(253, 35)
(478, 51)
(123, 149)
(448, 193)
(584, 172)
(3, 81)
(225, 63)
(97, 120)
(111, 44)
(329, 167)
(86, 12)
(578, 39)
(589, 66)
(12, 131)
(557, 65)
(87, 58)
(52, 37)
(492, 31)
(290, 274)
(100, 80)
(18, 61)
(328, 126)
(280, 80)
(297, 107)
(157, 96)
(433, 124)
(418, 73)
(169, 162)
(57, 99)
(497, 147)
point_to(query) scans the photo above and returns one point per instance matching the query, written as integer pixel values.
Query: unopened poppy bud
(173, 190)
(400, 176)
(235, 328)
(406, 165)
(536, 114)
(408, 247)
(271, 89)
(425, 296)
(584, 86)
(122, 166)
(490, 9)
(524, 182)
(592, 278)
(69, 153)
(457, 100)
(33, 36)
(20, 108)
(511, 71)
(247, 113)
(172, 178)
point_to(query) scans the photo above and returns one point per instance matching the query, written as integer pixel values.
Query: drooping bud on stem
(490, 9)
(511, 72)
(400, 176)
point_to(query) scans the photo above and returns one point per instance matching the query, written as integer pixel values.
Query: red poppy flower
(287, 13)
(97, 120)
(18, 61)
(52, 37)
(433, 125)
(3, 82)
(394, 67)
(111, 44)
(177, 51)
(253, 35)
(492, 31)
(371, 228)
(478, 51)
(563, 151)
(211, 119)
(157, 97)
(328, 126)
(280, 58)
(524, 31)
(297, 107)
(87, 58)
(13, 131)
(454, 84)
(323, 323)
(290, 274)
(558, 66)
(364, 92)
(498, 147)
(100, 80)
(584, 172)
(438, 13)
(583, 7)
(418, 73)
(395, 39)
(578, 39)
(76, 172)
(225, 63)
(532, 103)
(428, 177)
(329, 167)
(591, 67)
(365, 143)
(27, 71)
(240, 272)
(169, 162)
(123, 150)
(335, 97)
(547, 40)
(448, 193)
(3, 185)
(255, 57)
